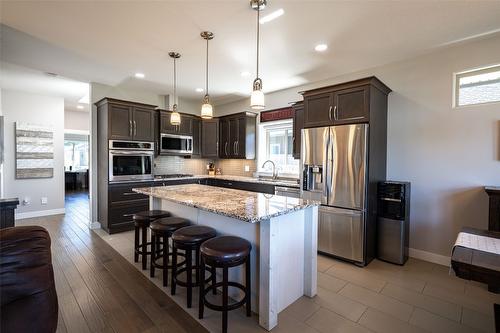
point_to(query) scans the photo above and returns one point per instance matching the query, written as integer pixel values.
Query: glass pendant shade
(175, 117)
(207, 111)
(257, 100)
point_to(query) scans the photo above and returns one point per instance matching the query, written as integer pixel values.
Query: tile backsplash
(196, 166)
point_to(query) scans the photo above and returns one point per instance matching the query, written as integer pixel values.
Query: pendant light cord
(175, 83)
(258, 34)
(206, 82)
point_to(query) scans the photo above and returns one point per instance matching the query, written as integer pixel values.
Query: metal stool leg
(201, 299)
(136, 244)
(224, 299)
(144, 246)
(189, 276)
(248, 283)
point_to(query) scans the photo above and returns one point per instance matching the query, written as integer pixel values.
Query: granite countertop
(242, 205)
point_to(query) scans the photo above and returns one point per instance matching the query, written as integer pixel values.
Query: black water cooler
(393, 223)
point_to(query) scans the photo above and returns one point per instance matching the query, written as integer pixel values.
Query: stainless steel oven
(173, 144)
(130, 160)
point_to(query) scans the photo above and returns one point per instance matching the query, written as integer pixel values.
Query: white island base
(283, 256)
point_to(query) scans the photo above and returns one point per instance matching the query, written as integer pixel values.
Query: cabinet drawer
(120, 193)
(123, 212)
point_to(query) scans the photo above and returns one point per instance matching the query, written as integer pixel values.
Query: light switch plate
(247, 168)
(44, 200)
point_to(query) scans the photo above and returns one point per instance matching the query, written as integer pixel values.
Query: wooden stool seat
(161, 232)
(225, 252)
(189, 239)
(142, 220)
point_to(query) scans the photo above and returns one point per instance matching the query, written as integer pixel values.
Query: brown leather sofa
(27, 291)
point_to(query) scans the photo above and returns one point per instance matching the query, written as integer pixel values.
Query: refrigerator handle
(326, 168)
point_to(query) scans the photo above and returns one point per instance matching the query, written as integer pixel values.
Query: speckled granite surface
(242, 205)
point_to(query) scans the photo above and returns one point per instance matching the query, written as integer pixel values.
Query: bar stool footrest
(230, 307)
(193, 284)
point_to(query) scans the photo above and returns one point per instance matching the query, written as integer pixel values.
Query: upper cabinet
(346, 103)
(210, 138)
(237, 136)
(185, 127)
(298, 125)
(127, 120)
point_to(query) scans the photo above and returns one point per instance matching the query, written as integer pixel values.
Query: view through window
(76, 152)
(279, 147)
(478, 86)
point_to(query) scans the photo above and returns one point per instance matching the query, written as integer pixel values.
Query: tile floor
(416, 297)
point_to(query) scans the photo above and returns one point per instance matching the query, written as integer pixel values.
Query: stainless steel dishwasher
(292, 192)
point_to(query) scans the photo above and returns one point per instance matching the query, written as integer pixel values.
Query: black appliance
(393, 223)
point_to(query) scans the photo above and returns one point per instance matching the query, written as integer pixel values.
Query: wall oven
(130, 160)
(173, 144)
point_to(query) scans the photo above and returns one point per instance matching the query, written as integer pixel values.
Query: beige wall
(38, 110)
(447, 154)
(76, 120)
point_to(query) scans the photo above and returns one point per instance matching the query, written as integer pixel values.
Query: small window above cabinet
(346, 103)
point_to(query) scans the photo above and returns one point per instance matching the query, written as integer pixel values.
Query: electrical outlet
(44, 200)
(247, 168)
(26, 201)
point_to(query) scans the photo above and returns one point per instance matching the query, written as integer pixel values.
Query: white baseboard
(95, 225)
(27, 215)
(430, 257)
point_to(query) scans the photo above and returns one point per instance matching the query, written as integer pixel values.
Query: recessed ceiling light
(79, 107)
(139, 75)
(272, 16)
(199, 89)
(245, 73)
(321, 47)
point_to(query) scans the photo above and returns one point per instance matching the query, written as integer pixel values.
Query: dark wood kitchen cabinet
(196, 129)
(346, 103)
(237, 136)
(128, 120)
(298, 125)
(185, 127)
(210, 138)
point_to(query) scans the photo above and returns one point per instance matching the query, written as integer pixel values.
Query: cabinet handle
(217, 148)
(127, 215)
(330, 113)
(237, 147)
(234, 147)
(225, 148)
(335, 113)
(129, 193)
(135, 128)
(130, 128)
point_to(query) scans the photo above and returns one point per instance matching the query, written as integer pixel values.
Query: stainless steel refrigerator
(335, 171)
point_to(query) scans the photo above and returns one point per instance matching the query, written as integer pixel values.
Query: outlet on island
(26, 201)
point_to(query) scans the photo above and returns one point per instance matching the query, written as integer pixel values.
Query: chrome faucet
(275, 173)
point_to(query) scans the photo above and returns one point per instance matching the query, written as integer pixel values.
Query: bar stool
(189, 239)
(142, 221)
(225, 252)
(161, 232)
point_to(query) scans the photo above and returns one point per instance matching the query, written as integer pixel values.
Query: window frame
(476, 71)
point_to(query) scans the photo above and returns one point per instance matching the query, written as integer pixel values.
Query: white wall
(39, 110)
(76, 120)
(447, 154)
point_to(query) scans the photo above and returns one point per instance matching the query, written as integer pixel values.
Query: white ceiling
(108, 41)
(20, 78)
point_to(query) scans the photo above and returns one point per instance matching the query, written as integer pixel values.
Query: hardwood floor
(99, 290)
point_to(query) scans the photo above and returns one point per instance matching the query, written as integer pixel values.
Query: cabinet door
(241, 138)
(210, 138)
(165, 125)
(351, 105)
(196, 130)
(233, 137)
(224, 138)
(298, 124)
(186, 126)
(120, 122)
(143, 124)
(318, 110)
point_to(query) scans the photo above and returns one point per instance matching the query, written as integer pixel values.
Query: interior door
(347, 166)
(341, 232)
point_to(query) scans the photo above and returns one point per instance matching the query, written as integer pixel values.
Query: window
(277, 146)
(477, 86)
(76, 152)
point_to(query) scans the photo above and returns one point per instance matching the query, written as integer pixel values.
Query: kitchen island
(282, 231)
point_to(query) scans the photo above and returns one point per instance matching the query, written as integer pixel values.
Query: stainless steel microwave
(130, 160)
(173, 144)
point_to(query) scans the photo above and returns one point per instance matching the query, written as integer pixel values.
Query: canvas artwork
(34, 151)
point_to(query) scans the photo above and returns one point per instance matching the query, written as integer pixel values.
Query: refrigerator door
(340, 232)
(315, 150)
(347, 166)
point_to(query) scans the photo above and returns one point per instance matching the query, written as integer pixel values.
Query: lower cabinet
(237, 185)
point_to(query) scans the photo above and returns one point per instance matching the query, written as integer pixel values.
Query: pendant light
(257, 97)
(207, 109)
(175, 117)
